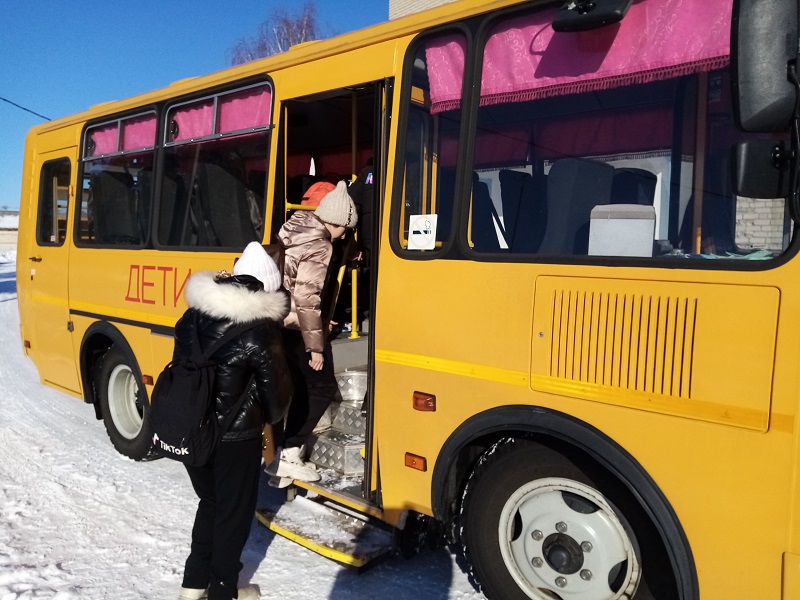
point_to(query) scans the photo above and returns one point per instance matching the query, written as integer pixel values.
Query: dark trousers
(228, 492)
(313, 390)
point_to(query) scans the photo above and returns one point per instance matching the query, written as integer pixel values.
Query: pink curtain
(193, 121)
(139, 132)
(245, 110)
(525, 59)
(445, 59)
(105, 139)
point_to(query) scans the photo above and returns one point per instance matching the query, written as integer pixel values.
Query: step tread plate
(329, 532)
(343, 490)
(337, 450)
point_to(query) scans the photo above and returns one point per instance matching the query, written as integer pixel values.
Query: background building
(401, 8)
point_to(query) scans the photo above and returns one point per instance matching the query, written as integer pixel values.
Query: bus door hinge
(70, 326)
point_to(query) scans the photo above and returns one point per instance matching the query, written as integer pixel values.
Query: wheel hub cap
(561, 539)
(562, 553)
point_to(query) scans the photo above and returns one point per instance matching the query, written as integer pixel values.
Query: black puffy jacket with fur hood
(257, 351)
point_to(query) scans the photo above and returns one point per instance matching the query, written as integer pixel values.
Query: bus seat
(484, 234)
(524, 210)
(115, 218)
(225, 213)
(143, 190)
(255, 191)
(633, 186)
(718, 225)
(511, 186)
(718, 222)
(574, 187)
(294, 187)
(446, 183)
(172, 211)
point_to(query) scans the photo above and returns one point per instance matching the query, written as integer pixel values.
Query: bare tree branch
(281, 30)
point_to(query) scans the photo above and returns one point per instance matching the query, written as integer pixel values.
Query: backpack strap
(209, 352)
(223, 339)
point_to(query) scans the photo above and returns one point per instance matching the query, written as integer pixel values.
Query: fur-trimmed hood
(234, 302)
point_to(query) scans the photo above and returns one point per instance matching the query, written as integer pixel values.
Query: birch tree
(281, 30)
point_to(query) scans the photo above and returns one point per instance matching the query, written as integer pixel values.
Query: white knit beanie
(337, 207)
(256, 262)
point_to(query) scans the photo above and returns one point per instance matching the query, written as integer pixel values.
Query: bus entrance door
(49, 329)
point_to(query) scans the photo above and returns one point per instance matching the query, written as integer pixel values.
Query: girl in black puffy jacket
(228, 485)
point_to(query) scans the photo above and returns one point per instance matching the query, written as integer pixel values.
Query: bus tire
(535, 526)
(122, 403)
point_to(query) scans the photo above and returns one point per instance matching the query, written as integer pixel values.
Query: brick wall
(759, 223)
(401, 8)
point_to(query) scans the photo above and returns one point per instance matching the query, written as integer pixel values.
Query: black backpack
(181, 415)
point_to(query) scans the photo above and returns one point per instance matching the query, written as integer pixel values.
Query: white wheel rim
(563, 553)
(123, 392)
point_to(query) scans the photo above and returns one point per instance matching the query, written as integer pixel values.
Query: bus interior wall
(322, 129)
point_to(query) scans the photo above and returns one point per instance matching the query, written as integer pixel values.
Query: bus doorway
(340, 135)
(48, 332)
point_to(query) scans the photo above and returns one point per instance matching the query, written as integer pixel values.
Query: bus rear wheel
(534, 526)
(122, 402)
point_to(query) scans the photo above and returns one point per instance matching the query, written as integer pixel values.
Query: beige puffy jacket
(308, 251)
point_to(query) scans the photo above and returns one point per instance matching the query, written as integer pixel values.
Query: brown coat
(308, 251)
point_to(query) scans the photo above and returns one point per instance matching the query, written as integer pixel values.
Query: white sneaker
(289, 464)
(279, 482)
(192, 594)
(250, 592)
(297, 455)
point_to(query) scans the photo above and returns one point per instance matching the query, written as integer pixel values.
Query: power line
(25, 109)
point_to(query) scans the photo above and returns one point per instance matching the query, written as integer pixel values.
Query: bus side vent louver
(630, 341)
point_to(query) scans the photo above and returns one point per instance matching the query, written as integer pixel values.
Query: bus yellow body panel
(732, 393)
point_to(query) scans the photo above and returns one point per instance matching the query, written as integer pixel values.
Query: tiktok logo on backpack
(158, 443)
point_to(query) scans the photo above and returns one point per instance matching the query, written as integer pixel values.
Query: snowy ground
(79, 521)
(9, 221)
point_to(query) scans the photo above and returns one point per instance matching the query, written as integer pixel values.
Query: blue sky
(59, 57)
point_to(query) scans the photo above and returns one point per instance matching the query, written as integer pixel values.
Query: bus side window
(214, 147)
(223, 203)
(117, 189)
(432, 140)
(51, 224)
(116, 221)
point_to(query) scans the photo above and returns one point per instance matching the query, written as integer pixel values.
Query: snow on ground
(80, 521)
(9, 221)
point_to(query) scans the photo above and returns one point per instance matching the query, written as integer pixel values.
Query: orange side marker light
(424, 402)
(419, 463)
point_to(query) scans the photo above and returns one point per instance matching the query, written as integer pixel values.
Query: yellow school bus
(582, 287)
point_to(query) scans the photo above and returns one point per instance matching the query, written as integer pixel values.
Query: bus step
(348, 418)
(330, 531)
(333, 449)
